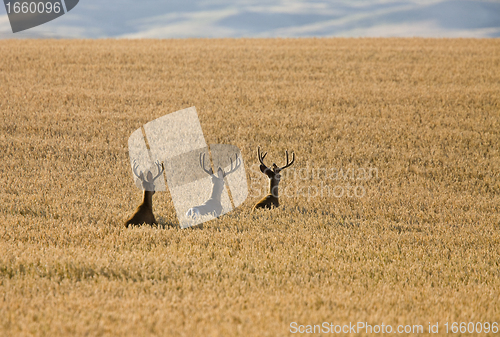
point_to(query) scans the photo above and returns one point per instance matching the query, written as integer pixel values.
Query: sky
(268, 18)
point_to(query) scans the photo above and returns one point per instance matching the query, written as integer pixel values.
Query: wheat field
(389, 215)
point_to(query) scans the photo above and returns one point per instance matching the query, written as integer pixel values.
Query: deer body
(212, 206)
(271, 200)
(144, 213)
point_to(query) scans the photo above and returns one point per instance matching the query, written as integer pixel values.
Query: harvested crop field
(390, 213)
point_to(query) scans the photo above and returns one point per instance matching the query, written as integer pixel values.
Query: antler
(261, 157)
(138, 175)
(160, 169)
(202, 164)
(136, 166)
(237, 162)
(288, 163)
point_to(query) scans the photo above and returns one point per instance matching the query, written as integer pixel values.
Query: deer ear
(141, 176)
(220, 173)
(263, 169)
(149, 177)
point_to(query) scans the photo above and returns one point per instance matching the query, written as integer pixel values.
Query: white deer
(213, 205)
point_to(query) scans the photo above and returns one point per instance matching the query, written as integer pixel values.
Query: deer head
(218, 180)
(148, 181)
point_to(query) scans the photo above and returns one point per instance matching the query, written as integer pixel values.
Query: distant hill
(292, 18)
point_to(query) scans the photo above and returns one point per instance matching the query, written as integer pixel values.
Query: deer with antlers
(271, 200)
(213, 205)
(144, 213)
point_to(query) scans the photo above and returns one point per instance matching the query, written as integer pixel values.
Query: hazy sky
(255, 18)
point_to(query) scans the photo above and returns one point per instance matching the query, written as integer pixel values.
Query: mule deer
(144, 213)
(213, 205)
(271, 200)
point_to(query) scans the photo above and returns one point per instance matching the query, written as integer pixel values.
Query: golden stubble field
(418, 242)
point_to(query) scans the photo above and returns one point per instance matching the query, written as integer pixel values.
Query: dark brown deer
(144, 213)
(213, 205)
(271, 200)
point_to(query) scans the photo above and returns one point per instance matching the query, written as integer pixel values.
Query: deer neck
(217, 191)
(148, 199)
(273, 187)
